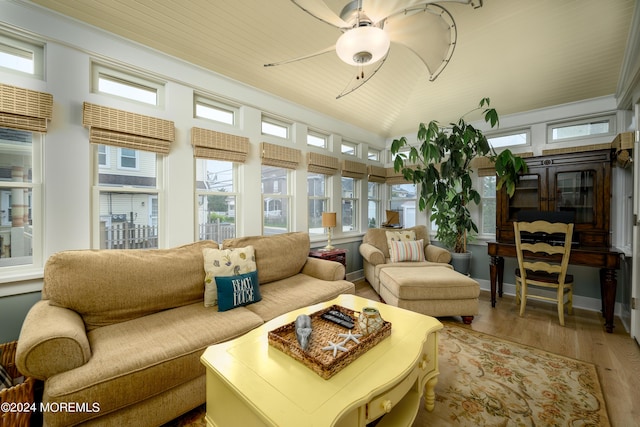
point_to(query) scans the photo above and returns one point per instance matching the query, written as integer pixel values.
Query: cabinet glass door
(526, 196)
(575, 192)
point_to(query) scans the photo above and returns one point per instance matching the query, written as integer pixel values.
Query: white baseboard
(586, 303)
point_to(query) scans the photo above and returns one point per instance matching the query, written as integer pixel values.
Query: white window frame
(377, 200)
(216, 106)
(314, 135)
(206, 192)
(374, 155)
(158, 192)
(326, 198)
(510, 133)
(391, 199)
(355, 200)
(610, 118)
(349, 148)
(270, 121)
(133, 80)
(483, 200)
(22, 47)
(107, 156)
(287, 194)
(9, 272)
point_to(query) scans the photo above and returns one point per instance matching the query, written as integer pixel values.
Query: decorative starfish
(335, 348)
(350, 337)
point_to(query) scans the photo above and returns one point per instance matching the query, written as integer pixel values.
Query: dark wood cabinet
(575, 182)
(579, 183)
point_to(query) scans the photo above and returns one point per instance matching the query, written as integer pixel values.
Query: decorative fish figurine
(303, 330)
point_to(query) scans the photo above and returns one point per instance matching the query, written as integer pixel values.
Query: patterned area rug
(487, 381)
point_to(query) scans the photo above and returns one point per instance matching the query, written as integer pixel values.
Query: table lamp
(328, 221)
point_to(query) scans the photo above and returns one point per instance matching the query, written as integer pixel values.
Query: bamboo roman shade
(319, 163)
(24, 109)
(484, 166)
(279, 156)
(209, 144)
(376, 173)
(120, 128)
(351, 169)
(396, 178)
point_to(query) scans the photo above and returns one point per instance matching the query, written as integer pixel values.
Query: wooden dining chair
(543, 250)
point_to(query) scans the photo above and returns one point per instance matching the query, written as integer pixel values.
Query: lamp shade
(363, 45)
(328, 219)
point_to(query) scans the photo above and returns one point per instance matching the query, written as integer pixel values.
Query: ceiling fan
(370, 27)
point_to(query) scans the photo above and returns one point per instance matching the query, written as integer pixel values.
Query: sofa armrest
(52, 340)
(435, 253)
(323, 269)
(371, 254)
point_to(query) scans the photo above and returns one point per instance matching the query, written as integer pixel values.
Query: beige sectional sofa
(119, 333)
(429, 286)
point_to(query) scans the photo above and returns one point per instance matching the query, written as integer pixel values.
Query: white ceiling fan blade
(379, 10)
(359, 79)
(429, 31)
(319, 10)
(300, 58)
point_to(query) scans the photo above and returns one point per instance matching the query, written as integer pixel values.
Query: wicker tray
(320, 361)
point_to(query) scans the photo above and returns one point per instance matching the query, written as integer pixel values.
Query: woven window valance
(209, 144)
(396, 178)
(279, 156)
(376, 173)
(24, 109)
(351, 169)
(484, 166)
(320, 163)
(129, 130)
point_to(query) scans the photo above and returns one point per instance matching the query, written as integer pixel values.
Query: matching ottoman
(433, 291)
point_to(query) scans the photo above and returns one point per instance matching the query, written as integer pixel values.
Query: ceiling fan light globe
(363, 45)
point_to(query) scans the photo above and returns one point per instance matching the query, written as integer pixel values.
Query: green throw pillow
(236, 291)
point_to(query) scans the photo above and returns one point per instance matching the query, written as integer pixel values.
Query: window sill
(21, 281)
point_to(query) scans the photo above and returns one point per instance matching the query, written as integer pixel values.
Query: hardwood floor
(616, 355)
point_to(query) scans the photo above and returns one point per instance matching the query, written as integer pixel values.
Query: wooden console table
(606, 259)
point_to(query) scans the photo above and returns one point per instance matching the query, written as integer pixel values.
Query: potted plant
(441, 164)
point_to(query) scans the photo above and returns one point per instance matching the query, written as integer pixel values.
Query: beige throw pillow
(399, 236)
(225, 262)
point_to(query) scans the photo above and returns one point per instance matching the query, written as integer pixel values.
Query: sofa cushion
(378, 237)
(135, 360)
(428, 283)
(237, 291)
(225, 262)
(409, 250)
(278, 256)
(111, 286)
(300, 290)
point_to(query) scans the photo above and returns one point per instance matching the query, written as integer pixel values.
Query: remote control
(338, 320)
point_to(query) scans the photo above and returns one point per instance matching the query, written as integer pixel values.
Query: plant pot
(461, 262)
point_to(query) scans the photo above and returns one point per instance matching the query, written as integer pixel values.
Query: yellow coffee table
(251, 383)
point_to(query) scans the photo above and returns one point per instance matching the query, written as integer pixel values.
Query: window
(318, 201)
(127, 158)
(403, 200)
(373, 154)
(488, 204)
(21, 55)
(205, 108)
(276, 200)
(20, 199)
(128, 200)
(511, 139)
(275, 127)
(374, 203)
(349, 148)
(217, 199)
(316, 139)
(103, 155)
(125, 85)
(580, 129)
(349, 204)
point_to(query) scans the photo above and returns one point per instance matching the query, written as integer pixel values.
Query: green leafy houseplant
(448, 188)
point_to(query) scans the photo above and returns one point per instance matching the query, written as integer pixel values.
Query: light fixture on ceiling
(363, 45)
(425, 28)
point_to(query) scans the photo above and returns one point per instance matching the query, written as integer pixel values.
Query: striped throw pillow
(408, 250)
